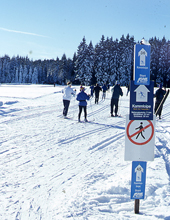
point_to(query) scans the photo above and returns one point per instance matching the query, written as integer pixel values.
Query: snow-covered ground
(55, 168)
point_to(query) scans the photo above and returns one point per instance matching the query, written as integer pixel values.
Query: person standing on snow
(128, 89)
(92, 90)
(104, 87)
(97, 90)
(68, 93)
(159, 96)
(82, 97)
(116, 92)
(108, 87)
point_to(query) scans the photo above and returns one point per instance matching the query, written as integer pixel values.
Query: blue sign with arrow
(141, 101)
(142, 64)
(138, 180)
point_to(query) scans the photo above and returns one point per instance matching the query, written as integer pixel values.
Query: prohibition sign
(144, 128)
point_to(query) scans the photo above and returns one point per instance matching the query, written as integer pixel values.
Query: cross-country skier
(82, 97)
(104, 88)
(97, 90)
(92, 90)
(116, 92)
(108, 87)
(159, 94)
(128, 89)
(68, 93)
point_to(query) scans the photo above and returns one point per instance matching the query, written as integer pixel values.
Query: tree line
(107, 61)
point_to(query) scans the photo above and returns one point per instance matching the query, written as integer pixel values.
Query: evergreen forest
(109, 60)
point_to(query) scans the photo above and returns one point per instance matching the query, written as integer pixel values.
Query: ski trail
(107, 142)
(91, 132)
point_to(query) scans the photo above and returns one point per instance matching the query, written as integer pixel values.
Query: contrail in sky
(21, 32)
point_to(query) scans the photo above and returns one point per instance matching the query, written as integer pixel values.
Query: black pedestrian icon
(140, 128)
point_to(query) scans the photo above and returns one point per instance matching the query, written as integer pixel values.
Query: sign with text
(139, 140)
(141, 101)
(138, 180)
(141, 64)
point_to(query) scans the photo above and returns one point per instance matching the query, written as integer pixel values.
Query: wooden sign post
(136, 207)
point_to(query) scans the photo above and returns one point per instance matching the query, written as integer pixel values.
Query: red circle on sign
(134, 142)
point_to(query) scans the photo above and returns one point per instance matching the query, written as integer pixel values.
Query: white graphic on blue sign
(141, 93)
(138, 180)
(139, 171)
(142, 64)
(141, 101)
(142, 54)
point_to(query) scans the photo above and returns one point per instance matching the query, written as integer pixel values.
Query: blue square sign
(141, 101)
(141, 64)
(138, 180)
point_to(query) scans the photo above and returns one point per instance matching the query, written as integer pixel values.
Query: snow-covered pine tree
(121, 71)
(81, 64)
(30, 75)
(20, 74)
(89, 64)
(35, 76)
(101, 62)
(168, 64)
(55, 70)
(114, 63)
(163, 63)
(5, 69)
(25, 75)
(127, 60)
(108, 64)
(12, 69)
(70, 70)
(63, 68)
(1, 69)
(73, 74)
(154, 58)
(17, 75)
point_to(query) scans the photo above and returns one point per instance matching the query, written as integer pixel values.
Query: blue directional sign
(141, 64)
(141, 101)
(138, 180)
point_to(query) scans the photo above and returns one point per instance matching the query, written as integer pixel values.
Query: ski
(67, 117)
(162, 102)
(84, 121)
(118, 116)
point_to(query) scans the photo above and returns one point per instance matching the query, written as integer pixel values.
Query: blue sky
(46, 29)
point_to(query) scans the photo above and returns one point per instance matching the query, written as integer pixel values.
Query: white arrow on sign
(141, 93)
(139, 171)
(143, 54)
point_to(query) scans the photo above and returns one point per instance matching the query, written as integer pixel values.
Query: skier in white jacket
(68, 93)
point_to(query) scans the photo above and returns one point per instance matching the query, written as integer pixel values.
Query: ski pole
(91, 108)
(162, 102)
(74, 103)
(119, 105)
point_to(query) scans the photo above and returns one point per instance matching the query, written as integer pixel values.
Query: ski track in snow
(55, 168)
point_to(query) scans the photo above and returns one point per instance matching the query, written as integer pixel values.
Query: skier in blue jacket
(104, 87)
(82, 97)
(92, 90)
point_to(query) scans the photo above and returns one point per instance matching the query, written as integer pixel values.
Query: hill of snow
(55, 168)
